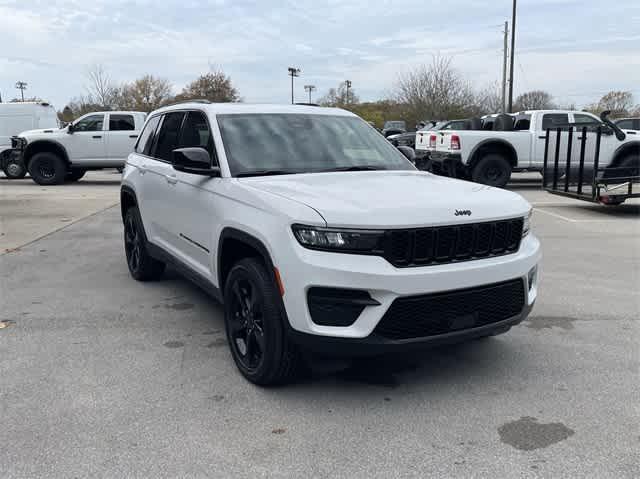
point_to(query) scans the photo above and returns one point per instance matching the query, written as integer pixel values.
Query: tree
(488, 100)
(145, 94)
(434, 92)
(214, 86)
(620, 103)
(337, 97)
(101, 90)
(534, 100)
(29, 99)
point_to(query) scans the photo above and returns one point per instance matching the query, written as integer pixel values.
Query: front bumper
(375, 345)
(305, 269)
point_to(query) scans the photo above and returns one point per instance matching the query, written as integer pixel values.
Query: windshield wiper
(266, 173)
(355, 168)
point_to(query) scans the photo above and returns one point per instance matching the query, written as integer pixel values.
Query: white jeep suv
(319, 236)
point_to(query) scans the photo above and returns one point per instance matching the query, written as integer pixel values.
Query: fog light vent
(337, 307)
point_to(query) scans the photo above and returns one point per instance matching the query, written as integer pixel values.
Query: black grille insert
(450, 244)
(441, 313)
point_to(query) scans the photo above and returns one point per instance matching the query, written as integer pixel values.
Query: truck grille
(441, 313)
(450, 244)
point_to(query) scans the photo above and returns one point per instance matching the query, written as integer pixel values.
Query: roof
(240, 108)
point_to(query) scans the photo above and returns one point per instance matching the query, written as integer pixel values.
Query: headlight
(527, 224)
(339, 240)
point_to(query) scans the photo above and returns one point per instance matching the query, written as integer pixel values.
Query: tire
(14, 169)
(631, 165)
(75, 174)
(256, 332)
(141, 265)
(493, 169)
(47, 169)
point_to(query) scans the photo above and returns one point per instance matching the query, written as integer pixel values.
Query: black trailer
(568, 173)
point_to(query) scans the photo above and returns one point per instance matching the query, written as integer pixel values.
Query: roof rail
(197, 100)
(306, 104)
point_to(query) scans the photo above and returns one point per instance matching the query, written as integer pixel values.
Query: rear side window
(168, 135)
(625, 124)
(146, 137)
(553, 120)
(196, 132)
(121, 123)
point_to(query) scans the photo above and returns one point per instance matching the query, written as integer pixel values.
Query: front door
(553, 121)
(86, 145)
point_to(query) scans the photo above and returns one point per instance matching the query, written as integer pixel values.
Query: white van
(16, 118)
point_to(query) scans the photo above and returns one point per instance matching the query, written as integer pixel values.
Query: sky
(575, 49)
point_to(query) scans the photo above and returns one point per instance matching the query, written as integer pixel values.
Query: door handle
(96, 136)
(133, 136)
(542, 137)
(171, 179)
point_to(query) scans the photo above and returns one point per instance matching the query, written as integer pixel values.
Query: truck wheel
(142, 265)
(628, 166)
(259, 344)
(47, 169)
(493, 169)
(75, 174)
(14, 169)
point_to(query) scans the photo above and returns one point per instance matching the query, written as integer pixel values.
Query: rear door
(158, 172)
(544, 121)
(121, 136)
(86, 145)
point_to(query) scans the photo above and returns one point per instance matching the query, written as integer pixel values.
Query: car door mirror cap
(194, 160)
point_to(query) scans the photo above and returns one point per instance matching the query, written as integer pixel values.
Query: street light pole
(293, 72)
(348, 84)
(513, 54)
(310, 88)
(504, 68)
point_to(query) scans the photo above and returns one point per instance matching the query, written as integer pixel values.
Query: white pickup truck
(517, 143)
(92, 142)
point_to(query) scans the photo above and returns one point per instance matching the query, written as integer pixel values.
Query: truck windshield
(268, 144)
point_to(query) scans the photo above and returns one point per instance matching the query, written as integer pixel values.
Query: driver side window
(89, 123)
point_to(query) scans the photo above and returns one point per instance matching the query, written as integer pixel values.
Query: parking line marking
(555, 215)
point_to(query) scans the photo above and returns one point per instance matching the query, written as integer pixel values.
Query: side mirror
(408, 152)
(70, 128)
(194, 160)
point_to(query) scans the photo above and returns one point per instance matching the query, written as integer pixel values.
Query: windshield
(258, 144)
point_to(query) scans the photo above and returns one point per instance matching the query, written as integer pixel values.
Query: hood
(393, 199)
(41, 132)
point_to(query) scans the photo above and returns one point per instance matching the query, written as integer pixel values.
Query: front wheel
(142, 265)
(493, 169)
(47, 169)
(14, 169)
(255, 328)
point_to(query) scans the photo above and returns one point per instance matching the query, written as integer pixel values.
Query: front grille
(450, 244)
(441, 313)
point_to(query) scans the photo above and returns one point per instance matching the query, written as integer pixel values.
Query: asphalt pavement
(102, 376)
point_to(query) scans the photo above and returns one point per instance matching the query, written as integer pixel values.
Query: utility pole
(513, 53)
(504, 68)
(293, 72)
(348, 84)
(22, 86)
(310, 88)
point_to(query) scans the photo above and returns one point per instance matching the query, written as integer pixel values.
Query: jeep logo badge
(462, 213)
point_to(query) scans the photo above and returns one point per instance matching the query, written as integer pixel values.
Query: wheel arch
(625, 150)
(493, 145)
(42, 146)
(235, 244)
(128, 199)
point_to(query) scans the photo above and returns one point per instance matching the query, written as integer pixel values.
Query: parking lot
(103, 376)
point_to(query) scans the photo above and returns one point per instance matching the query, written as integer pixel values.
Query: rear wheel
(141, 265)
(493, 169)
(628, 166)
(75, 174)
(14, 169)
(260, 347)
(47, 169)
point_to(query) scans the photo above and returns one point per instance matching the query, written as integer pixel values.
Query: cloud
(565, 46)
